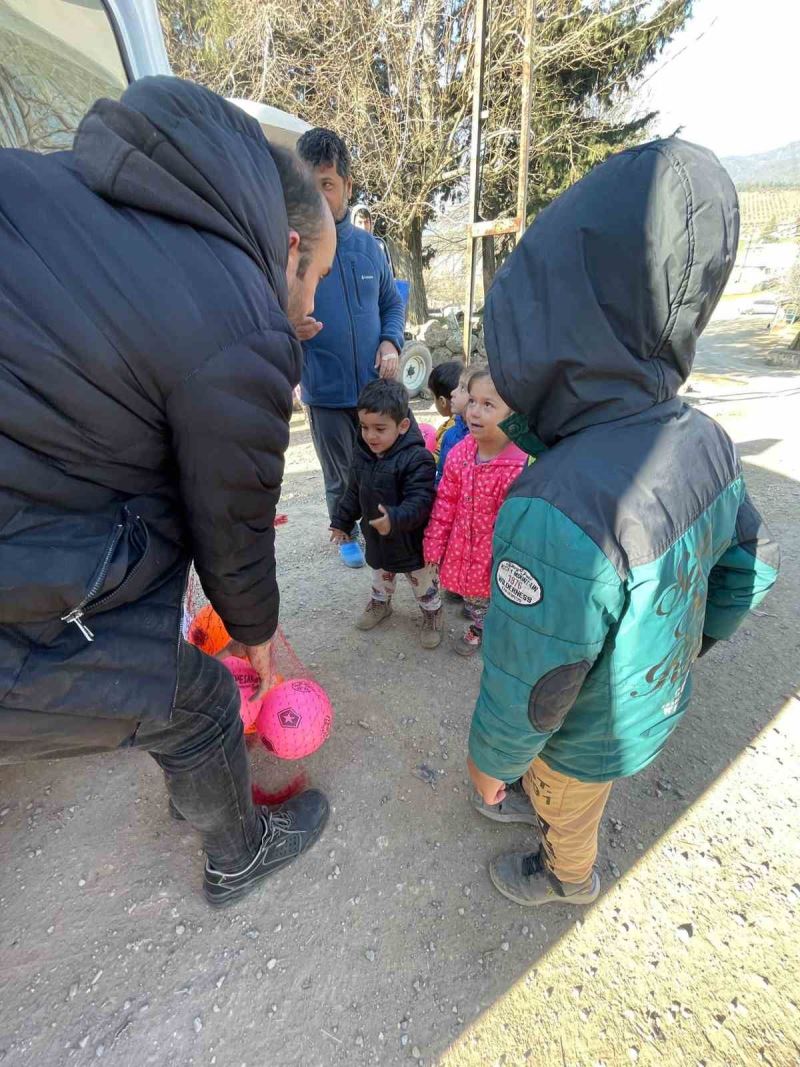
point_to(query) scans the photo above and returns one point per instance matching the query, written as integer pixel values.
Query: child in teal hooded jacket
(631, 545)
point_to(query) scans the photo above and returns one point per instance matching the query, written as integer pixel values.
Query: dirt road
(388, 944)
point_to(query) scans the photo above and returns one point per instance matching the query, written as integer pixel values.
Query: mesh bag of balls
(295, 716)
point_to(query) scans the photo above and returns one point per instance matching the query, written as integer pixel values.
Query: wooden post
(475, 164)
(476, 229)
(525, 119)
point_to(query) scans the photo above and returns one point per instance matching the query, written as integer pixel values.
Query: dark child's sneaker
(469, 643)
(524, 878)
(288, 830)
(516, 807)
(432, 626)
(373, 614)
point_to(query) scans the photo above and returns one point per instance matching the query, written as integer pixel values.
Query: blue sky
(730, 78)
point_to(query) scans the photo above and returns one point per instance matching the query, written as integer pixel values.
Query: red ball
(207, 631)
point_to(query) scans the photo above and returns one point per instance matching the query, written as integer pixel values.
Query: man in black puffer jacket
(391, 489)
(148, 281)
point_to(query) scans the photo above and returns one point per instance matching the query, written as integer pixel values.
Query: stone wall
(443, 337)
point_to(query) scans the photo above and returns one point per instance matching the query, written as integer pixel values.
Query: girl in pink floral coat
(476, 478)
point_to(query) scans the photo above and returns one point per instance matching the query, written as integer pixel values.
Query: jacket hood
(596, 314)
(178, 150)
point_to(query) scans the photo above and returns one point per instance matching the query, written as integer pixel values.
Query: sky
(730, 77)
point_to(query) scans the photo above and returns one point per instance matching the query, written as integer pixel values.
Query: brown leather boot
(375, 612)
(432, 627)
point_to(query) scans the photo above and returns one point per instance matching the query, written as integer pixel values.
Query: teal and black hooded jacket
(631, 544)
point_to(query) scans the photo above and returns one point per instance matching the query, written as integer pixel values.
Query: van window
(56, 58)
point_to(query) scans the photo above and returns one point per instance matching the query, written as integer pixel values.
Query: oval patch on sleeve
(517, 584)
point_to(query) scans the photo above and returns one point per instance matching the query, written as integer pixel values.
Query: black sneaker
(289, 830)
(516, 807)
(525, 878)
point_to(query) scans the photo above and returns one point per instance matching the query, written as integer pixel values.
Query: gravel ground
(387, 944)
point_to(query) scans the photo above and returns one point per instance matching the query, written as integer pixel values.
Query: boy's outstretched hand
(492, 790)
(338, 537)
(384, 524)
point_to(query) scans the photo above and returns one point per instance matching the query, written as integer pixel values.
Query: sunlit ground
(693, 957)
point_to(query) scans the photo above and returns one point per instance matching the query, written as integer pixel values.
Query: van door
(56, 58)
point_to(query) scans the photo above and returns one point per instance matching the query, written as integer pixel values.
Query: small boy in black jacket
(391, 490)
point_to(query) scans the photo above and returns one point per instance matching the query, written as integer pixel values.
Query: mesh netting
(285, 778)
(285, 661)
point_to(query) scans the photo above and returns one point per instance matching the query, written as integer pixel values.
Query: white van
(59, 56)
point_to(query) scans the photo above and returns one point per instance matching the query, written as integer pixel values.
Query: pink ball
(248, 681)
(428, 435)
(295, 718)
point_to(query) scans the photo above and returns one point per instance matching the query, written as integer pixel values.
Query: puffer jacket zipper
(75, 616)
(343, 274)
(88, 603)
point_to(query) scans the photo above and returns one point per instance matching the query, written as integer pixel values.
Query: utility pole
(477, 228)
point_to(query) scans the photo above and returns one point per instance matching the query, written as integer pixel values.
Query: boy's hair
(445, 378)
(321, 147)
(384, 397)
(305, 205)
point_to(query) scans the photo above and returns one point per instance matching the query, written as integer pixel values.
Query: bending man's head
(312, 234)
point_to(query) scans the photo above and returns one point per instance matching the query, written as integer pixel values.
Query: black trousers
(333, 431)
(201, 751)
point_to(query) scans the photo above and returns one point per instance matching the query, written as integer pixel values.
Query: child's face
(459, 397)
(443, 406)
(380, 431)
(485, 411)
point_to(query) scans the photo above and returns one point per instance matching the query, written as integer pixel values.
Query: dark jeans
(202, 753)
(333, 431)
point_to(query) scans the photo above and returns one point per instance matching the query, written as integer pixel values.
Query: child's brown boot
(375, 612)
(432, 626)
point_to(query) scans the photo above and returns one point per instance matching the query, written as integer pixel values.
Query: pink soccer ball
(428, 435)
(295, 718)
(248, 681)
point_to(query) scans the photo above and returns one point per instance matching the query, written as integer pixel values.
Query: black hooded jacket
(146, 374)
(403, 480)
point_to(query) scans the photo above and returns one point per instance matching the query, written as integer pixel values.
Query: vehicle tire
(416, 364)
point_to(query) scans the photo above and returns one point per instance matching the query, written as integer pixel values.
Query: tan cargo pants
(569, 813)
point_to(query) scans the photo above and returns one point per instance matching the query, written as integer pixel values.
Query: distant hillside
(770, 210)
(781, 166)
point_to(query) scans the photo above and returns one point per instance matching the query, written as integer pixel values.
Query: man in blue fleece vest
(356, 333)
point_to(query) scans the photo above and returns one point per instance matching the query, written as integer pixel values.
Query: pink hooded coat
(459, 533)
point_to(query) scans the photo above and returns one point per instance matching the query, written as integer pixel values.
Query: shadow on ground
(388, 941)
